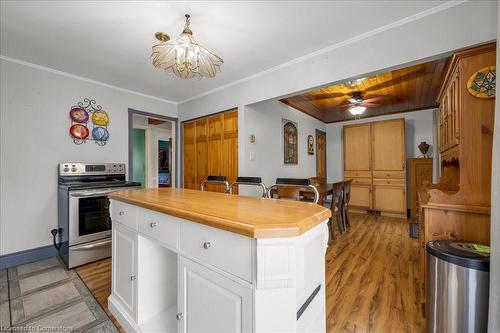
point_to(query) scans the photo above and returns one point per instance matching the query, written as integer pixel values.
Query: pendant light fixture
(183, 56)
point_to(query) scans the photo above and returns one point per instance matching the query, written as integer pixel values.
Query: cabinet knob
(207, 245)
(153, 224)
(132, 277)
(179, 316)
(121, 213)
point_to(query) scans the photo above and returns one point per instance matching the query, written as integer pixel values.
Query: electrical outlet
(49, 231)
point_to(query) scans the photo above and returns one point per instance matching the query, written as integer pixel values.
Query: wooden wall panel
(201, 152)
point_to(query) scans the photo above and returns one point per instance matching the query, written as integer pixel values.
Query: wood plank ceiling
(408, 89)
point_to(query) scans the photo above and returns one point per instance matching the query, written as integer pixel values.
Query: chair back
(347, 192)
(317, 181)
(289, 188)
(215, 180)
(337, 196)
(252, 181)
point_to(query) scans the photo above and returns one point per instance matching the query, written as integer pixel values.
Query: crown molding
(395, 24)
(84, 79)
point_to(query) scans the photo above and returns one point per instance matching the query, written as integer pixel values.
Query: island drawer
(164, 228)
(225, 250)
(124, 214)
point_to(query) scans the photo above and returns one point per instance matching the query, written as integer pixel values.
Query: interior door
(201, 152)
(124, 267)
(215, 124)
(230, 147)
(189, 154)
(388, 145)
(211, 302)
(320, 154)
(357, 147)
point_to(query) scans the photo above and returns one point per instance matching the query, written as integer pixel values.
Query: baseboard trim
(125, 320)
(27, 256)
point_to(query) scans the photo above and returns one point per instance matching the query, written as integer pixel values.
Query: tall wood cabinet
(458, 207)
(420, 170)
(210, 148)
(374, 157)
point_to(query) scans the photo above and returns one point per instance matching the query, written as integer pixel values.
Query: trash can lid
(465, 254)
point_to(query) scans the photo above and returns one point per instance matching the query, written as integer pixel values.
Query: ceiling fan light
(357, 110)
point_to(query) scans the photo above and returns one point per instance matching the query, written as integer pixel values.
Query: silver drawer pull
(179, 316)
(121, 213)
(207, 245)
(132, 277)
(153, 224)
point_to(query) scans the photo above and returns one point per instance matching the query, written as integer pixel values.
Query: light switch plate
(252, 156)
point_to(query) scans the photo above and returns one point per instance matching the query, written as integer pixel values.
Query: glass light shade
(357, 110)
(186, 58)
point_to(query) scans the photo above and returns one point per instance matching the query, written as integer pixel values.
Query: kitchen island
(192, 261)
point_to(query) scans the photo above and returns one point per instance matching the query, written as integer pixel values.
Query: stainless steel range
(83, 210)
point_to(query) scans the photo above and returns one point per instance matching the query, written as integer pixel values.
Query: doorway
(152, 149)
(320, 154)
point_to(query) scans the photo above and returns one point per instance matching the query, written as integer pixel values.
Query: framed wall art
(290, 142)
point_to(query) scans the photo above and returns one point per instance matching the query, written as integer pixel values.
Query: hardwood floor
(371, 275)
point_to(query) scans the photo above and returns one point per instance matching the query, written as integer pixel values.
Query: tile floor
(44, 296)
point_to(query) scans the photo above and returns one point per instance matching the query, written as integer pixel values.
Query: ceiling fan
(358, 103)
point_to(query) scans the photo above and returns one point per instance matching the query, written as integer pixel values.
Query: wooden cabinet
(211, 148)
(420, 171)
(212, 302)
(458, 207)
(374, 157)
(124, 267)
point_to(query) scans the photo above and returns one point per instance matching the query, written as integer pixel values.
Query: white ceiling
(110, 41)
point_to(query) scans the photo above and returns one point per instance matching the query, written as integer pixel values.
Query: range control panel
(71, 168)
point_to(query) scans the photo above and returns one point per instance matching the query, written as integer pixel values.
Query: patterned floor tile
(106, 327)
(35, 281)
(3, 275)
(4, 291)
(18, 271)
(34, 304)
(4, 315)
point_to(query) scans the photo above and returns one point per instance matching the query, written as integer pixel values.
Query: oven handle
(90, 194)
(91, 246)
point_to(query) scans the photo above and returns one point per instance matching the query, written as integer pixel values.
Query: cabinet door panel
(230, 147)
(357, 149)
(215, 150)
(211, 302)
(201, 152)
(361, 196)
(124, 266)
(388, 145)
(389, 198)
(189, 137)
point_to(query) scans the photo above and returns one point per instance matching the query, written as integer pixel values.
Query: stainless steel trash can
(457, 287)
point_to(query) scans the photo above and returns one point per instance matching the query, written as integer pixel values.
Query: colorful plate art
(100, 134)
(100, 118)
(79, 115)
(79, 131)
(482, 84)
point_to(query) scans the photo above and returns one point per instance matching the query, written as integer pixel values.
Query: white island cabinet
(191, 261)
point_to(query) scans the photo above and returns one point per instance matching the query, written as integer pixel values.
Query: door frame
(316, 147)
(175, 145)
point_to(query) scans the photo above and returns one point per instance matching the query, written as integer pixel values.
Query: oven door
(89, 216)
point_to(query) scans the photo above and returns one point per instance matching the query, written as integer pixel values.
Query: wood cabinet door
(214, 162)
(454, 135)
(211, 302)
(361, 196)
(201, 152)
(321, 154)
(388, 145)
(124, 271)
(189, 151)
(357, 148)
(230, 147)
(389, 198)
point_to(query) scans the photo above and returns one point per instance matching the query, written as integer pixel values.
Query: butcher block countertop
(245, 215)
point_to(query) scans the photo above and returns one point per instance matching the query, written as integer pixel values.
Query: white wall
(404, 42)
(34, 139)
(264, 120)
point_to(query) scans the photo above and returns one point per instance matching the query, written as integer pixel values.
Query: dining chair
(252, 181)
(345, 206)
(337, 193)
(316, 182)
(215, 180)
(289, 188)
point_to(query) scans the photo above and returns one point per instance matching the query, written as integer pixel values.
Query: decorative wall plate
(100, 134)
(79, 131)
(79, 115)
(482, 84)
(100, 118)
